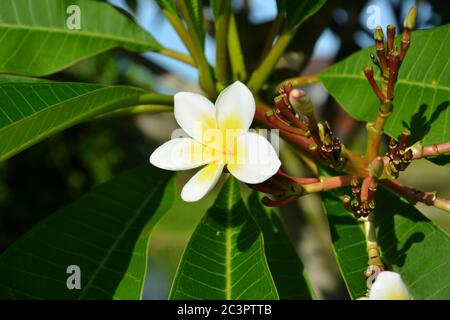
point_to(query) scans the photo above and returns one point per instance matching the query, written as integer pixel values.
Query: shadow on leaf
(419, 126)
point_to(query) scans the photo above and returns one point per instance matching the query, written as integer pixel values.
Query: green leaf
(105, 233)
(422, 93)
(6, 78)
(30, 112)
(285, 265)
(410, 245)
(224, 258)
(35, 39)
(297, 11)
(348, 244)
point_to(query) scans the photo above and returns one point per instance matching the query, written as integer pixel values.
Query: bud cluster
(294, 114)
(363, 202)
(399, 156)
(388, 59)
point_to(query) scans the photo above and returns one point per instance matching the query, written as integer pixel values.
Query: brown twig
(414, 196)
(419, 151)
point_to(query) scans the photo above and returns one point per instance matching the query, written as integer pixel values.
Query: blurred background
(48, 176)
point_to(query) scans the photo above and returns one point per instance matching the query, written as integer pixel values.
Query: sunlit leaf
(224, 258)
(36, 38)
(410, 244)
(422, 93)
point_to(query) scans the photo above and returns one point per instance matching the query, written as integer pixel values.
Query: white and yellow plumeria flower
(388, 286)
(219, 137)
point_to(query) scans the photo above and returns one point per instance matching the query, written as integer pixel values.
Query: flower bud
(300, 101)
(377, 167)
(410, 20)
(378, 34)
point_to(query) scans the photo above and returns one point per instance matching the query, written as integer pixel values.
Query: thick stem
(221, 32)
(177, 56)
(371, 242)
(147, 103)
(420, 151)
(194, 47)
(442, 204)
(156, 98)
(238, 68)
(327, 183)
(273, 32)
(134, 110)
(261, 74)
(414, 196)
(375, 130)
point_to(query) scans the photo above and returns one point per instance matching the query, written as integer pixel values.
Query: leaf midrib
(402, 81)
(119, 238)
(56, 105)
(228, 236)
(79, 33)
(57, 127)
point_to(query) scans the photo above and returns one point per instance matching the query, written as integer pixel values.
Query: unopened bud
(321, 131)
(378, 34)
(390, 28)
(368, 71)
(347, 202)
(377, 167)
(300, 101)
(410, 20)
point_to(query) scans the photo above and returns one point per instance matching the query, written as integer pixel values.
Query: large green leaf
(410, 244)
(30, 112)
(224, 258)
(105, 233)
(297, 11)
(35, 38)
(422, 93)
(285, 265)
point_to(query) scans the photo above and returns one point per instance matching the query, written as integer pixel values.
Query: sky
(327, 46)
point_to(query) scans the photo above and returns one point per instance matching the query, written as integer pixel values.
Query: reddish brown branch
(414, 196)
(420, 151)
(328, 183)
(390, 38)
(368, 72)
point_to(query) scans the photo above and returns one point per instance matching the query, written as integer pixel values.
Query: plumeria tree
(97, 246)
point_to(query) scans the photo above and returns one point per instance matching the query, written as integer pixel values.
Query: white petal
(235, 107)
(181, 154)
(388, 286)
(194, 113)
(255, 159)
(202, 182)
